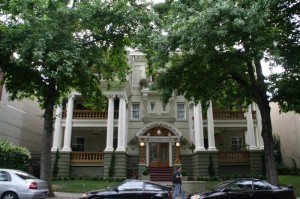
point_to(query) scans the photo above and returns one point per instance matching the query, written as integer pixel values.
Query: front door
(159, 154)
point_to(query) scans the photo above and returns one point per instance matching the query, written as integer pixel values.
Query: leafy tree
(212, 50)
(48, 48)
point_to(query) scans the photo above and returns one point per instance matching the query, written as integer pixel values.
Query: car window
(258, 185)
(152, 187)
(131, 186)
(24, 175)
(241, 185)
(4, 176)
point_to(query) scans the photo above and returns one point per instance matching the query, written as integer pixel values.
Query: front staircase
(160, 173)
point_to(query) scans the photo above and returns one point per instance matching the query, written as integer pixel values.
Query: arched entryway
(158, 138)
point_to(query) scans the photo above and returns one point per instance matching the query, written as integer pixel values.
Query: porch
(98, 157)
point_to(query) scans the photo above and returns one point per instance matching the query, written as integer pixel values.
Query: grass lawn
(81, 186)
(291, 180)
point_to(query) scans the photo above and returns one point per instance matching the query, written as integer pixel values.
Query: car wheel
(9, 195)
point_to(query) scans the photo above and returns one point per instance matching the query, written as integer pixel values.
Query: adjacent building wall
(21, 122)
(287, 126)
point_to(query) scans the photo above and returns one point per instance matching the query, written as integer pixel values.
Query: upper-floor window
(181, 110)
(152, 106)
(164, 107)
(135, 111)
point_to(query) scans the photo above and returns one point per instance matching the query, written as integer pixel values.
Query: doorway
(158, 154)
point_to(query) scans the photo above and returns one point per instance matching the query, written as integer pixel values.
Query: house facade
(141, 133)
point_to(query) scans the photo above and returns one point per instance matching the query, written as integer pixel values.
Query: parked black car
(246, 189)
(137, 189)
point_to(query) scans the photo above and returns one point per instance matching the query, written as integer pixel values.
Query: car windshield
(222, 185)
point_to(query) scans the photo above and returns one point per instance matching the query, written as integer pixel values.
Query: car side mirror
(116, 189)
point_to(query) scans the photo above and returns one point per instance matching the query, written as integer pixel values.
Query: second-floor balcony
(90, 114)
(94, 114)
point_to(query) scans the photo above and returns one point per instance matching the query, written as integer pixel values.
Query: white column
(57, 129)
(210, 128)
(121, 124)
(68, 129)
(110, 124)
(250, 129)
(198, 123)
(259, 127)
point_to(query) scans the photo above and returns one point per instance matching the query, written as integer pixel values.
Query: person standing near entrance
(177, 183)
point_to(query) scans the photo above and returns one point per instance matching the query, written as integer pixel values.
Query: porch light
(177, 159)
(142, 159)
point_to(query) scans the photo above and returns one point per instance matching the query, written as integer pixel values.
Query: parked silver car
(15, 184)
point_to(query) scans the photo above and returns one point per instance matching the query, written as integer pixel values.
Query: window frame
(181, 112)
(135, 112)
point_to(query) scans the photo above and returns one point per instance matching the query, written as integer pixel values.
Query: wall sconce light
(142, 159)
(177, 159)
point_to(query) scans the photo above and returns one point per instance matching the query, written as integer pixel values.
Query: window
(135, 111)
(152, 187)
(236, 143)
(131, 186)
(152, 106)
(181, 111)
(4, 176)
(164, 107)
(78, 144)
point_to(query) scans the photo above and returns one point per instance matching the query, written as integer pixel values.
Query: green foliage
(50, 48)
(211, 169)
(277, 149)
(13, 157)
(111, 170)
(212, 50)
(55, 164)
(145, 172)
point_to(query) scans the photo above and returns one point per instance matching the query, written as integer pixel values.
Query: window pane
(136, 110)
(180, 111)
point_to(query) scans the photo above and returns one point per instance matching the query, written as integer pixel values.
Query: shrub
(13, 156)
(145, 172)
(55, 164)
(211, 170)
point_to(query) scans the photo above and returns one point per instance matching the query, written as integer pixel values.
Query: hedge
(13, 156)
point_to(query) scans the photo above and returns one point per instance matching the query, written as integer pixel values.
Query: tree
(48, 48)
(212, 50)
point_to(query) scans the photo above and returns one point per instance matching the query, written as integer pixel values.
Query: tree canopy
(49, 48)
(212, 50)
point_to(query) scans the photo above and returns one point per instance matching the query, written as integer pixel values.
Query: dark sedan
(132, 189)
(246, 189)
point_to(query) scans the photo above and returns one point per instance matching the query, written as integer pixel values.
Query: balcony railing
(223, 114)
(233, 156)
(90, 114)
(87, 157)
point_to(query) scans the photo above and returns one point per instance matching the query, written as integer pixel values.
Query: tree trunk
(260, 92)
(271, 170)
(46, 171)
